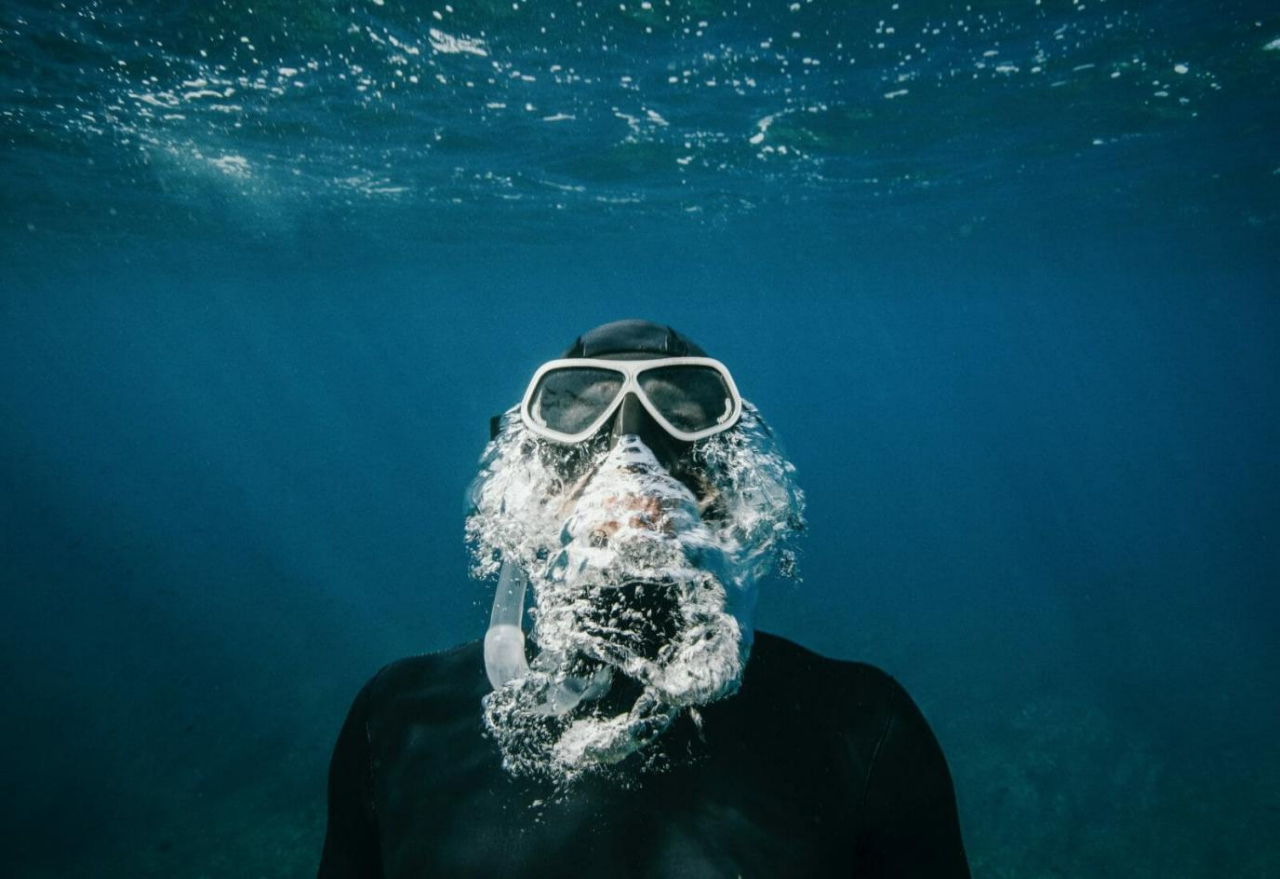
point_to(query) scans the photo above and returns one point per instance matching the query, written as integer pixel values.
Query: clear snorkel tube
(504, 658)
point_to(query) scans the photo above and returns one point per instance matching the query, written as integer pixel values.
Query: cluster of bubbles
(644, 587)
(519, 501)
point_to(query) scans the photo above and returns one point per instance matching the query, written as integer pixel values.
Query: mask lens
(569, 400)
(692, 398)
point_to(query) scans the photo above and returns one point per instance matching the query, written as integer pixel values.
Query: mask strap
(504, 658)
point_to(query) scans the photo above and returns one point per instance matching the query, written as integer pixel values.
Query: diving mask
(690, 398)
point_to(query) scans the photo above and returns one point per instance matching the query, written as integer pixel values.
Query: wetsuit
(814, 768)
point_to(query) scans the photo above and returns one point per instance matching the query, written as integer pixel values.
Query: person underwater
(647, 729)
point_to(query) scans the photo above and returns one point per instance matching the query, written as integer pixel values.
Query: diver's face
(642, 603)
(628, 511)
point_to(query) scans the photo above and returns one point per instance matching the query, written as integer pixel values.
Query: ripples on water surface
(648, 109)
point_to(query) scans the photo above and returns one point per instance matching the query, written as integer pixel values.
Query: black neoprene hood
(634, 337)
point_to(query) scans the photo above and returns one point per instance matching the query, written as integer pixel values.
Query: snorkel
(504, 658)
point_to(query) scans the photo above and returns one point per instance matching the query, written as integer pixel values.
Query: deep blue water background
(1018, 332)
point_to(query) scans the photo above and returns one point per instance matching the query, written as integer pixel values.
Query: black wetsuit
(814, 768)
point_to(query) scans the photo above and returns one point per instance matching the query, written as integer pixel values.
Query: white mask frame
(631, 371)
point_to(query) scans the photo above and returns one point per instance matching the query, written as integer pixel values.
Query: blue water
(1002, 275)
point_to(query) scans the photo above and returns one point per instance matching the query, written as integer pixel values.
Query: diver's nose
(632, 419)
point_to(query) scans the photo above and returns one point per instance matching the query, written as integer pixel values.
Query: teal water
(1002, 275)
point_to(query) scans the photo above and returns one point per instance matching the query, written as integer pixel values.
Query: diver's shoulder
(455, 672)
(777, 656)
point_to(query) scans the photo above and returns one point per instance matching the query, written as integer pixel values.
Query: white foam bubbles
(447, 44)
(636, 578)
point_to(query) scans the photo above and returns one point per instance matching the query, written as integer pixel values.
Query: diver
(647, 729)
